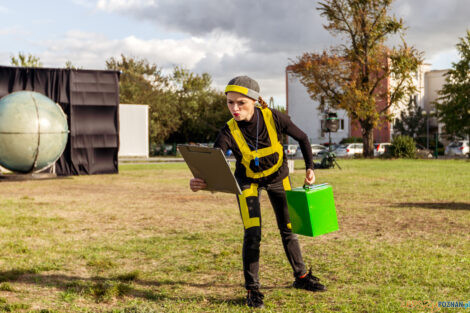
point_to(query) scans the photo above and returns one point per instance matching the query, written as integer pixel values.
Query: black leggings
(251, 215)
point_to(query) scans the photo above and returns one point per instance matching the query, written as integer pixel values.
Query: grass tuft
(101, 264)
(6, 287)
(14, 307)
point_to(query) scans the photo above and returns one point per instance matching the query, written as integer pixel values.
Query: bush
(403, 147)
(162, 149)
(351, 140)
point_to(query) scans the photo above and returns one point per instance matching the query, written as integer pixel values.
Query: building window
(341, 124)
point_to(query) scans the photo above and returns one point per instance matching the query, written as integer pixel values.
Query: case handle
(309, 187)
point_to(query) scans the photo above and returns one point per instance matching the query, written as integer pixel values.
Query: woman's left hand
(310, 177)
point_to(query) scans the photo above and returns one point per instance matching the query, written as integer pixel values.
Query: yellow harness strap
(247, 220)
(248, 155)
(286, 183)
(287, 186)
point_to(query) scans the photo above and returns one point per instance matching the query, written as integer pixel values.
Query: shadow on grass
(199, 285)
(435, 205)
(102, 289)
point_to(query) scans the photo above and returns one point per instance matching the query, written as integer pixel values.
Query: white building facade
(305, 114)
(434, 80)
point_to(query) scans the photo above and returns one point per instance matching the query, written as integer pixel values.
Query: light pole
(427, 113)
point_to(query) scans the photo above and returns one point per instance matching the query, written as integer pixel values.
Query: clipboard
(210, 165)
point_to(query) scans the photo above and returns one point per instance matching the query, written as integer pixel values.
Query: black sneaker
(254, 299)
(309, 282)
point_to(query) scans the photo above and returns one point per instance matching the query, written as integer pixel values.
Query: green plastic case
(312, 210)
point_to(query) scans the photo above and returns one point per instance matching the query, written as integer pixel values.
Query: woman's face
(241, 107)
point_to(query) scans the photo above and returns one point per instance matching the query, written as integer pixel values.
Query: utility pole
(428, 115)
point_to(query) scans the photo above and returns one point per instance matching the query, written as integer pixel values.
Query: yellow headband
(243, 90)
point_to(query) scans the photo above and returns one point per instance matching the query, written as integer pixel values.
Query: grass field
(141, 241)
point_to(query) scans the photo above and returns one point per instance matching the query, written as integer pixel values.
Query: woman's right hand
(197, 184)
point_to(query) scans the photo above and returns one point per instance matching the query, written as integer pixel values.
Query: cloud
(292, 26)
(226, 38)
(90, 50)
(443, 59)
(116, 5)
(222, 55)
(267, 69)
(42, 21)
(13, 31)
(271, 32)
(268, 25)
(434, 26)
(85, 3)
(275, 31)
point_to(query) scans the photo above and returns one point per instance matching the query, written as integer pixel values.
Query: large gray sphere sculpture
(33, 131)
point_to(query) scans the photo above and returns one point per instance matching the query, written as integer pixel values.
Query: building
(305, 113)
(434, 80)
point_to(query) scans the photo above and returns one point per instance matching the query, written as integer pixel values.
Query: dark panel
(96, 141)
(95, 127)
(94, 88)
(94, 120)
(104, 160)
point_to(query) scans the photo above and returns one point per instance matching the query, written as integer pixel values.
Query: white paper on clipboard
(210, 165)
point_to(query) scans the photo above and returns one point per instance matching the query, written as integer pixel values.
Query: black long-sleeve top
(284, 125)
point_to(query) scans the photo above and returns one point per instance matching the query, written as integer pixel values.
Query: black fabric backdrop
(90, 99)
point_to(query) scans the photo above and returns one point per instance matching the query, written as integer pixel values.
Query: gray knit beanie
(244, 85)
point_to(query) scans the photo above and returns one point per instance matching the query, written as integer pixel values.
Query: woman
(254, 136)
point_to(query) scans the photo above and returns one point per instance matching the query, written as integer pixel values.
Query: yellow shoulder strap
(249, 155)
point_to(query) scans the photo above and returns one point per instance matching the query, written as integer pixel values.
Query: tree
(353, 76)
(183, 106)
(453, 105)
(203, 110)
(412, 121)
(69, 65)
(25, 60)
(143, 83)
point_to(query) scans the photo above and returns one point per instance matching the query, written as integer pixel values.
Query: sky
(258, 38)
